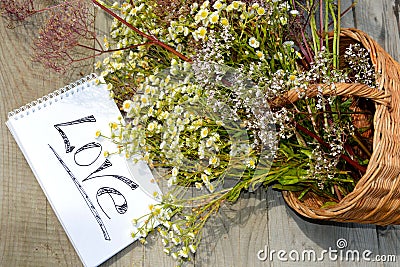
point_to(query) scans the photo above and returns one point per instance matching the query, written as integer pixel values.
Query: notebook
(95, 198)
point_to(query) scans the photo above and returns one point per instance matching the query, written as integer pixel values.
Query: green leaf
(328, 204)
(304, 193)
(289, 180)
(292, 188)
(306, 152)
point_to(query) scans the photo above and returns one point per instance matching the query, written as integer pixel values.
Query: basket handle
(344, 89)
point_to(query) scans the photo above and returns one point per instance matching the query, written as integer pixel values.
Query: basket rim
(380, 59)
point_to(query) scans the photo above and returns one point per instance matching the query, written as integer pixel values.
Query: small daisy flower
(179, 29)
(106, 61)
(288, 43)
(133, 11)
(151, 127)
(201, 32)
(214, 161)
(145, 100)
(202, 14)
(214, 17)
(97, 65)
(253, 42)
(116, 54)
(294, 12)
(251, 163)
(104, 73)
(205, 4)
(171, 181)
(205, 178)
(224, 22)
(260, 11)
(260, 55)
(185, 31)
(210, 187)
(218, 5)
(209, 142)
(106, 43)
(236, 4)
(194, 6)
(184, 252)
(204, 132)
(174, 255)
(192, 248)
(127, 105)
(113, 125)
(176, 240)
(175, 171)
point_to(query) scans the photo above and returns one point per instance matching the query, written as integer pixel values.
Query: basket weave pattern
(376, 197)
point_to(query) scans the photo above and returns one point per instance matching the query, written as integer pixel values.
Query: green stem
(353, 163)
(326, 27)
(338, 34)
(335, 45)
(313, 27)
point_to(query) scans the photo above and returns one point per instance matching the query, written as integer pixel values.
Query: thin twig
(147, 36)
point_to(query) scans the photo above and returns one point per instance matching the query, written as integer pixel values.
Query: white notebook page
(95, 198)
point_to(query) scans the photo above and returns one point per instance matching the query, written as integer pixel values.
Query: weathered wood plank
(378, 18)
(300, 234)
(30, 234)
(234, 237)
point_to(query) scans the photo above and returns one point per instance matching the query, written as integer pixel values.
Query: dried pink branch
(17, 10)
(67, 36)
(145, 35)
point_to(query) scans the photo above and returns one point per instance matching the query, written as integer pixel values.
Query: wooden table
(30, 234)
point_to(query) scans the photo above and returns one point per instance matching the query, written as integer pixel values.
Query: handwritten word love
(96, 148)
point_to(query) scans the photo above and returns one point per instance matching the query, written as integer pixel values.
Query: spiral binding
(47, 99)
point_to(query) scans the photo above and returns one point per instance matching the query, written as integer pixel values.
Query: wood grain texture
(30, 234)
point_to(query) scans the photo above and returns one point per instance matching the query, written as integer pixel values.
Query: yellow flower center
(260, 11)
(202, 31)
(127, 105)
(214, 18)
(224, 22)
(218, 5)
(203, 14)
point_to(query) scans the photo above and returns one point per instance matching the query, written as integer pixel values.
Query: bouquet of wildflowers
(205, 86)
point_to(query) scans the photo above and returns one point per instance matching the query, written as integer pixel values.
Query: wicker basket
(376, 197)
